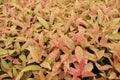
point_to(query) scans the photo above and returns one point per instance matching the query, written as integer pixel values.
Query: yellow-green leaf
(31, 79)
(31, 68)
(100, 16)
(5, 64)
(28, 68)
(45, 64)
(43, 22)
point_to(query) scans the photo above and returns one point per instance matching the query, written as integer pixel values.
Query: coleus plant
(59, 39)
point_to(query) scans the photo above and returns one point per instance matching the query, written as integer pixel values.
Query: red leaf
(82, 65)
(76, 75)
(115, 60)
(87, 74)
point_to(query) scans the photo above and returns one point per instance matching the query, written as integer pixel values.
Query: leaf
(23, 59)
(34, 51)
(69, 43)
(88, 74)
(15, 61)
(89, 56)
(112, 75)
(20, 39)
(117, 67)
(28, 68)
(72, 71)
(100, 54)
(19, 75)
(100, 16)
(15, 72)
(43, 22)
(31, 68)
(3, 76)
(88, 67)
(82, 65)
(5, 64)
(79, 53)
(41, 76)
(37, 8)
(64, 57)
(105, 67)
(77, 4)
(114, 22)
(103, 38)
(31, 79)
(3, 52)
(53, 54)
(46, 64)
(27, 75)
(8, 41)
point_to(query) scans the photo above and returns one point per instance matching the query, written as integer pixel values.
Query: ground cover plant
(59, 39)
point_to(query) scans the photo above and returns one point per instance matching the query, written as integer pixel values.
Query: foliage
(59, 39)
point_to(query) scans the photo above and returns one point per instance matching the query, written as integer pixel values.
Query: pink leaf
(115, 60)
(15, 61)
(64, 57)
(87, 74)
(105, 67)
(56, 66)
(102, 41)
(9, 58)
(72, 71)
(54, 53)
(76, 75)
(61, 43)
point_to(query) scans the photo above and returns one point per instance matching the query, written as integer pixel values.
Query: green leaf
(28, 68)
(31, 67)
(15, 72)
(8, 41)
(100, 16)
(69, 43)
(3, 52)
(46, 64)
(19, 75)
(5, 64)
(43, 22)
(34, 51)
(23, 58)
(113, 22)
(31, 79)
